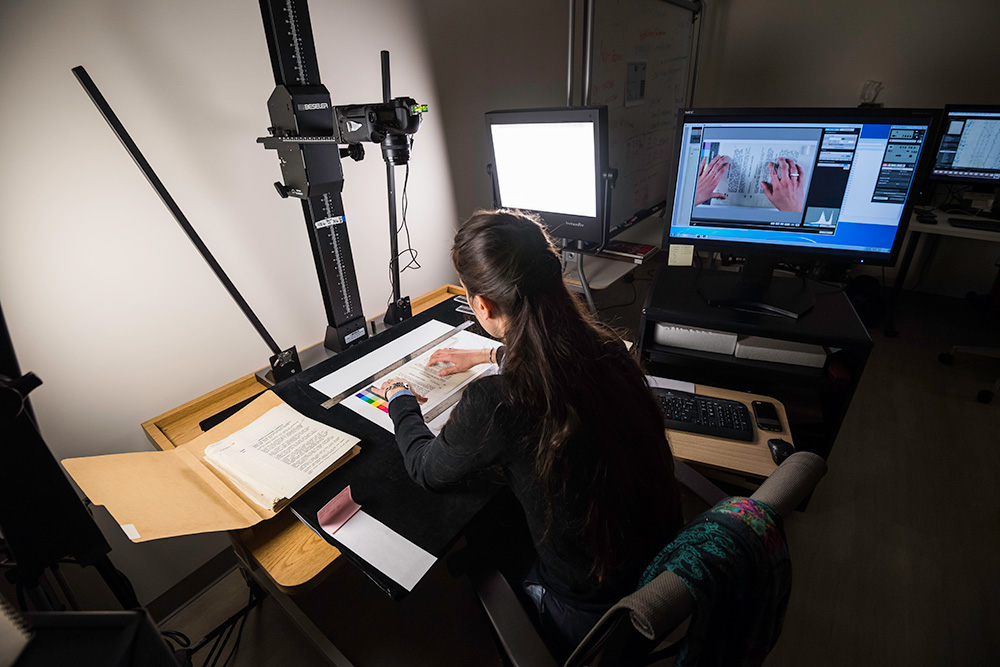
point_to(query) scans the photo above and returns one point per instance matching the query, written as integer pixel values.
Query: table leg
(897, 286)
(303, 622)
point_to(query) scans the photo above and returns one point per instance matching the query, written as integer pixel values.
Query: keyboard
(717, 417)
(972, 223)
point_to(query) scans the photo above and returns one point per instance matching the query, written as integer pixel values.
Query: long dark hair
(601, 446)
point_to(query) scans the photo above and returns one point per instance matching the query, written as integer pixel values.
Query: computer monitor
(969, 148)
(553, 162)
(794, 184)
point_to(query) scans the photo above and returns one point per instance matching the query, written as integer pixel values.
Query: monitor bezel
(810, 114)
(964, 180)
(592, 229)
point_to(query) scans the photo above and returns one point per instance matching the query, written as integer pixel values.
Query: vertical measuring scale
(301, 112)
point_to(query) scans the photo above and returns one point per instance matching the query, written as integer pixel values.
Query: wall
(489, 56)
(105, 298)
(793, 53)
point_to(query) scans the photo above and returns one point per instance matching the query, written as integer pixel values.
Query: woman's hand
(785, 190)
(385, 392)
(460, 360)
(709, 175)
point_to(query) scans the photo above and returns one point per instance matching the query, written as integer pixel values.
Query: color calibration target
(374, 400)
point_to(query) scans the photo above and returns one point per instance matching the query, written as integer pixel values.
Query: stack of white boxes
(742, 347)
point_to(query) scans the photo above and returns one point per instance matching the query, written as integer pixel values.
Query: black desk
(816, 399)
(377, 477)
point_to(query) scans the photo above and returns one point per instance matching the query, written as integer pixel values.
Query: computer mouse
(780, 449)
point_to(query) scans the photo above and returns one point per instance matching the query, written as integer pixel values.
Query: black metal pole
(147, 170)
(390, 174)
(397, 311)
(386, 95)
(569, 60)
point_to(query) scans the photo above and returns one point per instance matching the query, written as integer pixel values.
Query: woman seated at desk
(569, 421)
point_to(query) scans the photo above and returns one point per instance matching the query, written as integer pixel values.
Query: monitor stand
(755, 289)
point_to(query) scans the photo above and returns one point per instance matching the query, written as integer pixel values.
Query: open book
(277, 455)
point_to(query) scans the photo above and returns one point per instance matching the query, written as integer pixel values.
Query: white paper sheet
(665, 383)
(389, 552)
(370, 364)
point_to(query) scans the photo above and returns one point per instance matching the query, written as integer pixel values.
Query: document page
(748, 166)
(979, 147)
(440, 391)
(278, 454)
(367, 366)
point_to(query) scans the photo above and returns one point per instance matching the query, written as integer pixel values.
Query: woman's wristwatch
(397, 385)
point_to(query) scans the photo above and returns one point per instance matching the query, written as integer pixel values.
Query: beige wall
(106, 299)
(927, 53)
(488, 56)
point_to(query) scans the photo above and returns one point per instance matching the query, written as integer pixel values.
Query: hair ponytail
(574, 376)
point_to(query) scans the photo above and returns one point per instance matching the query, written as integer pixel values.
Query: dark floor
(894, 558)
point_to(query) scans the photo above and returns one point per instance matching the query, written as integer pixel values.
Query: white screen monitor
(551, 162)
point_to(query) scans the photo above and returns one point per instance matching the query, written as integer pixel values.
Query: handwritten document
(278, 454)
(748, 166)
(979, 147)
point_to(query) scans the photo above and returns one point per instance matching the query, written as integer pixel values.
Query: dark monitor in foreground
(765, 184)
(552, 162)
(969, 148)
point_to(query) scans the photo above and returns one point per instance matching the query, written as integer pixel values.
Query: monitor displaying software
(969, 149)
(833, 182)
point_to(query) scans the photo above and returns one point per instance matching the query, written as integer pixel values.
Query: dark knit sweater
(483, 433)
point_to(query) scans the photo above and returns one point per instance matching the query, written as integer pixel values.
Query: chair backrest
(633, 628)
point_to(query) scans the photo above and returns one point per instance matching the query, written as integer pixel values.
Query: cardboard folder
(176, 492)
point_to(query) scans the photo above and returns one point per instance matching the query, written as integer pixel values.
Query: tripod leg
(116, 581)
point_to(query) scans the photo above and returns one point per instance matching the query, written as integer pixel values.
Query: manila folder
(153, 495)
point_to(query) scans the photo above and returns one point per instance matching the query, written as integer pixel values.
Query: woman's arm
(466, 445)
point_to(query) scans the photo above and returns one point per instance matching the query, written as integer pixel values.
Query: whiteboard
(640, 71)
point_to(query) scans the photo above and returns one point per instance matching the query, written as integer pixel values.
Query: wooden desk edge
(285, 549)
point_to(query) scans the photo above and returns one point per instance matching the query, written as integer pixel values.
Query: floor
(894, 559)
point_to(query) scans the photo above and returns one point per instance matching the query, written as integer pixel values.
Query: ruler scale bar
(446, 404)
(367, 382)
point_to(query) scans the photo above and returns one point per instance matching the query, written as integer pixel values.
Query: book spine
(620, 257)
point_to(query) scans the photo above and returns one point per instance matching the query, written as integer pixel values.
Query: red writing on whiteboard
(611, 56)
(645, 34)
(610, 83)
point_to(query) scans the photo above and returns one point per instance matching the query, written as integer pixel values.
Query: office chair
(633, 631)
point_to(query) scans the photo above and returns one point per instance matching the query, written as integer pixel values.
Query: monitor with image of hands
(765, 184)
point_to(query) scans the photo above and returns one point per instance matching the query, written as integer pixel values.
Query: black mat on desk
(378, 480)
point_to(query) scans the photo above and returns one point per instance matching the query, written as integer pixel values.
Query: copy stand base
(398, 311)
(338, 338)
(285, 364)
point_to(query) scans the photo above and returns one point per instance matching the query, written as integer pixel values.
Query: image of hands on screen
(755, 174)
(709, 175)
(785, 191)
